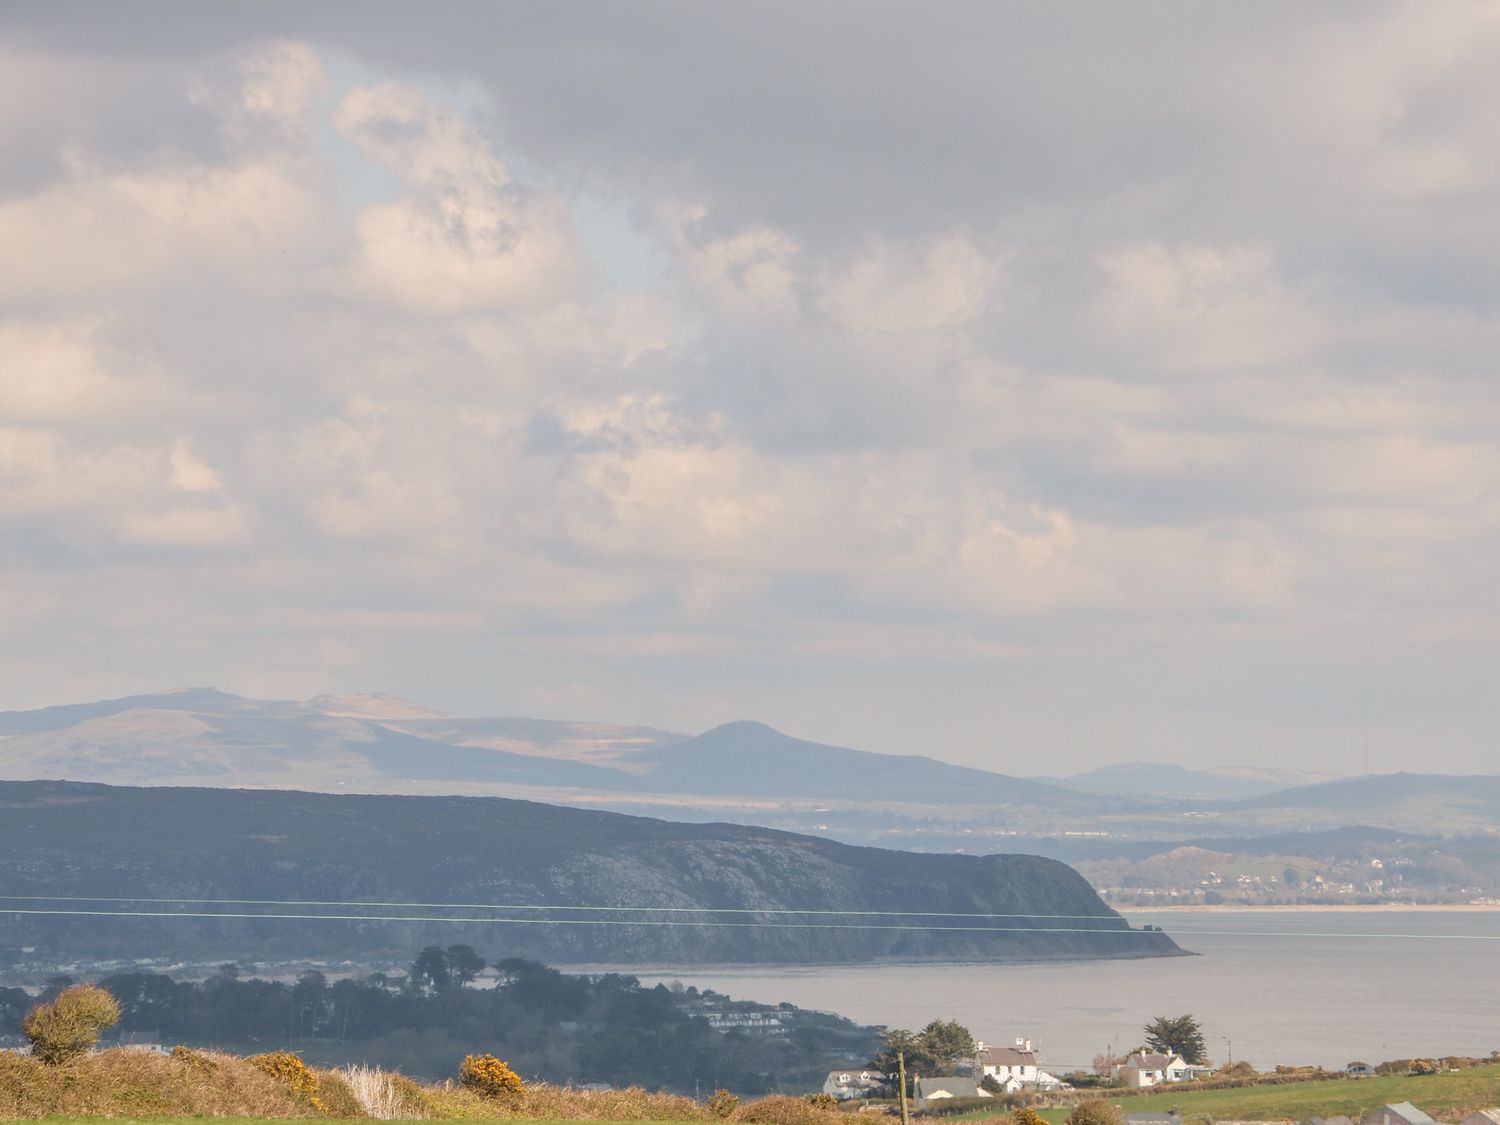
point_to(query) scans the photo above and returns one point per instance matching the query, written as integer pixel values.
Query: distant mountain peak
(742, 726)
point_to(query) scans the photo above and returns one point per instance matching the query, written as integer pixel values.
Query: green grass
(1450, 1095)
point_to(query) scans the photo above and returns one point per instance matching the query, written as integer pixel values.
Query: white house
(846, 1084)
(1015, 1068)
(1151, 1070)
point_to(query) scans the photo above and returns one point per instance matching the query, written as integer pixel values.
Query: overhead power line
(567, 921)
(678, 922)
(780, 911)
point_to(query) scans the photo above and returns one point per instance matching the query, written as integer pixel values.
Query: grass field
(1448, 1096)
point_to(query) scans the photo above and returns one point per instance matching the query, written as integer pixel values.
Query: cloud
(1006, 379)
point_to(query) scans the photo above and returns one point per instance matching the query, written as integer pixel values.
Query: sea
(1304, 987)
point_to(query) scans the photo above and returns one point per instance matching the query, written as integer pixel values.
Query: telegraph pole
(901, 1085)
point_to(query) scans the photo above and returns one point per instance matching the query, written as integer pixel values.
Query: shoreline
(1308, 908)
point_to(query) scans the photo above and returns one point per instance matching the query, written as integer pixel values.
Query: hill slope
(751, 759)
(61, 839)
(1408, 801)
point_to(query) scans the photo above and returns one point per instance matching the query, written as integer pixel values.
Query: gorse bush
(1095, 1112)
(489, 1077)
(67, 1027)
(198, 1060)
(291, 1071)
(780, 1109)
(1027, 1116)
(721, 1103)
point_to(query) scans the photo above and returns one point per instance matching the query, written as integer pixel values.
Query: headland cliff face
(281, 873)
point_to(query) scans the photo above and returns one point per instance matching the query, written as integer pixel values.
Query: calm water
(1319, 988)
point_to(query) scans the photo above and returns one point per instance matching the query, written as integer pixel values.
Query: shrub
(1027, 1116)
(823, 1101)
(488, 1077)
(335, 1096)
(1095, 1112)
(559, 1103)
(291, 1072)
(66, 1028)
(195, 1059)
(779, 1109)
(721, 1103)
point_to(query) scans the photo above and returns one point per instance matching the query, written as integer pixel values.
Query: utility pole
(901, 1085)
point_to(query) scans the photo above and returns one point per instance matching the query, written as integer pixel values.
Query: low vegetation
(126, 1083)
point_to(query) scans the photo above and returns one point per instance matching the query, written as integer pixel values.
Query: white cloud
(986, 386)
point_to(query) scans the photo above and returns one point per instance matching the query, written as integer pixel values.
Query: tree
(948, 1042)
(1177, 1035)
(429, 972)
(463, 964)
(68, 1026)
(936, 1049)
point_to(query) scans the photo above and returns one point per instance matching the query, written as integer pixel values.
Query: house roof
(1408, 1112)
(1007, 1056)
(954, 1086)
(1337, 1119)
(1152, 1118)
(1491, 1114)
(1153, 1061)
(856, 1077)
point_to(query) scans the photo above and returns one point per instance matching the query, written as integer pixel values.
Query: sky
(1033, 386)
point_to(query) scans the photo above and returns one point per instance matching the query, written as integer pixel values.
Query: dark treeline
(550, 1025)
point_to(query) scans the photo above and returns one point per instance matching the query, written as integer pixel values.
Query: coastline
(1309, 908)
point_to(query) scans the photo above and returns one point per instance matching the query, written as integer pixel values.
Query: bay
(1299, 987)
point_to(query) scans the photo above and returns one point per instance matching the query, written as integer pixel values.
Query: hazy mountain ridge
(742, 771)
(380, 743)
(60, 838)
(1178, 782)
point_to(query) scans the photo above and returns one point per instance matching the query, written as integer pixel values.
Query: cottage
(1015, 1068)
(847, 1084)
(931, 1090)
(1143, 1070)
(1400, 1113)
(1360, 1070)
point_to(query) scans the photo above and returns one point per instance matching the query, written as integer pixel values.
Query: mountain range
(379, 744)
(741, 770)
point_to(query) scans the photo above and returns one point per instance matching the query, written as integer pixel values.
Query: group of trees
(939, 1048)
(561, 1027)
